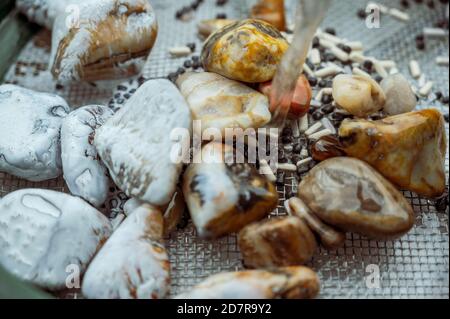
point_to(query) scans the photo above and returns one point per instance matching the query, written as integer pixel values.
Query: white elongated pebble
(435, 33)
(327, 124)
(30, 124)
(400, 98)
(442, 60)
(304, 161)
(357, 57)
(398, 14)
(387, 64)
(221, 103)
(426, 88)
(320, 134)
(136, 142)
(287, 167)
(303, 123)
(84, 173)
(315, 56)
(355, 45)
(295, 130)
(340, 54)
(265, 170)
(308, 70)
(414, 69)
(133, 263)
(43, 232)
(180, 51)
(314, 128)
(327, 71)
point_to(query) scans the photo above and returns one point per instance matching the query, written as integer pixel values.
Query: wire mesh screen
(414, 266)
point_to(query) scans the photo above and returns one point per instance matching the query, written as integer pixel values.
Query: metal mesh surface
(414, 266)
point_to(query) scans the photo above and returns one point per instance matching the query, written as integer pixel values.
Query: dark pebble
(420, 45)
(378, 78)
(362, 13)
(317, 116)
(196, 65)
(312, 81)
(132, 91)
(438, 95)
(187, 64)
(120, 101)
(59, 86)
(446, 117)
(117, 95)
(181, 70)
(322, 83)
(315, 42)
(126, 96)
(221, 2)
(420, 37)
(327, 98)
(191, 46)
(194, 5)
(430, 4)
(287, 131)
(404, 3)
(121, 88)
(141, 80)
(368, 65)
(221, 16)
(282, 159)
(172, 76)
(418, 1)
(327, 109)
(330, 31)
(286, 139)
(444, 100)
(195, 58)
(345, 48)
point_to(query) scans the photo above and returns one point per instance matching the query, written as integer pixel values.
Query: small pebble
(361, 13)
(191, 46)
(187, 64)
(329, 108)
(221, 16)
(317, 115)
(330, 31)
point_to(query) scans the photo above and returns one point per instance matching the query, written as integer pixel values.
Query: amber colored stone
(326, 147)
(271, 11)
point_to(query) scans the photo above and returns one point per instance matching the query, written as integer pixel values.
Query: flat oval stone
(286, 241)
(222, 103)
(133, 263)
(408, 149)
(30, 124)
(296, 282)
(135, 143)
(222, 198)
(247, 51)
(351, 195)
(42, 232)
(84, 173)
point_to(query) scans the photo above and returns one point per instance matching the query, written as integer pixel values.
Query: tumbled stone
(296, 282)
(84, 173)
(399, 96)
(136, 144)
(408, 149)
(285, 241)
(224, 196)
(46, 235)
(222, 103)
(133, 263)
(349, 194)
(30, 124)
(247, 51)
(358, 95)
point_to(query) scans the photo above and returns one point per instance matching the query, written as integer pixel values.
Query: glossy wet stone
(222, 198)
(133, 263)
(408, 149)
(30, 124)
(44, 234)
(296, 282)
(358, 95)
(349, 194)
(136, 144)
(246, 51)
(223, 103)
(285, 241)
(83, 171)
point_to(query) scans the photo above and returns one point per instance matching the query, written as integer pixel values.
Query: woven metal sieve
(414, 266)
